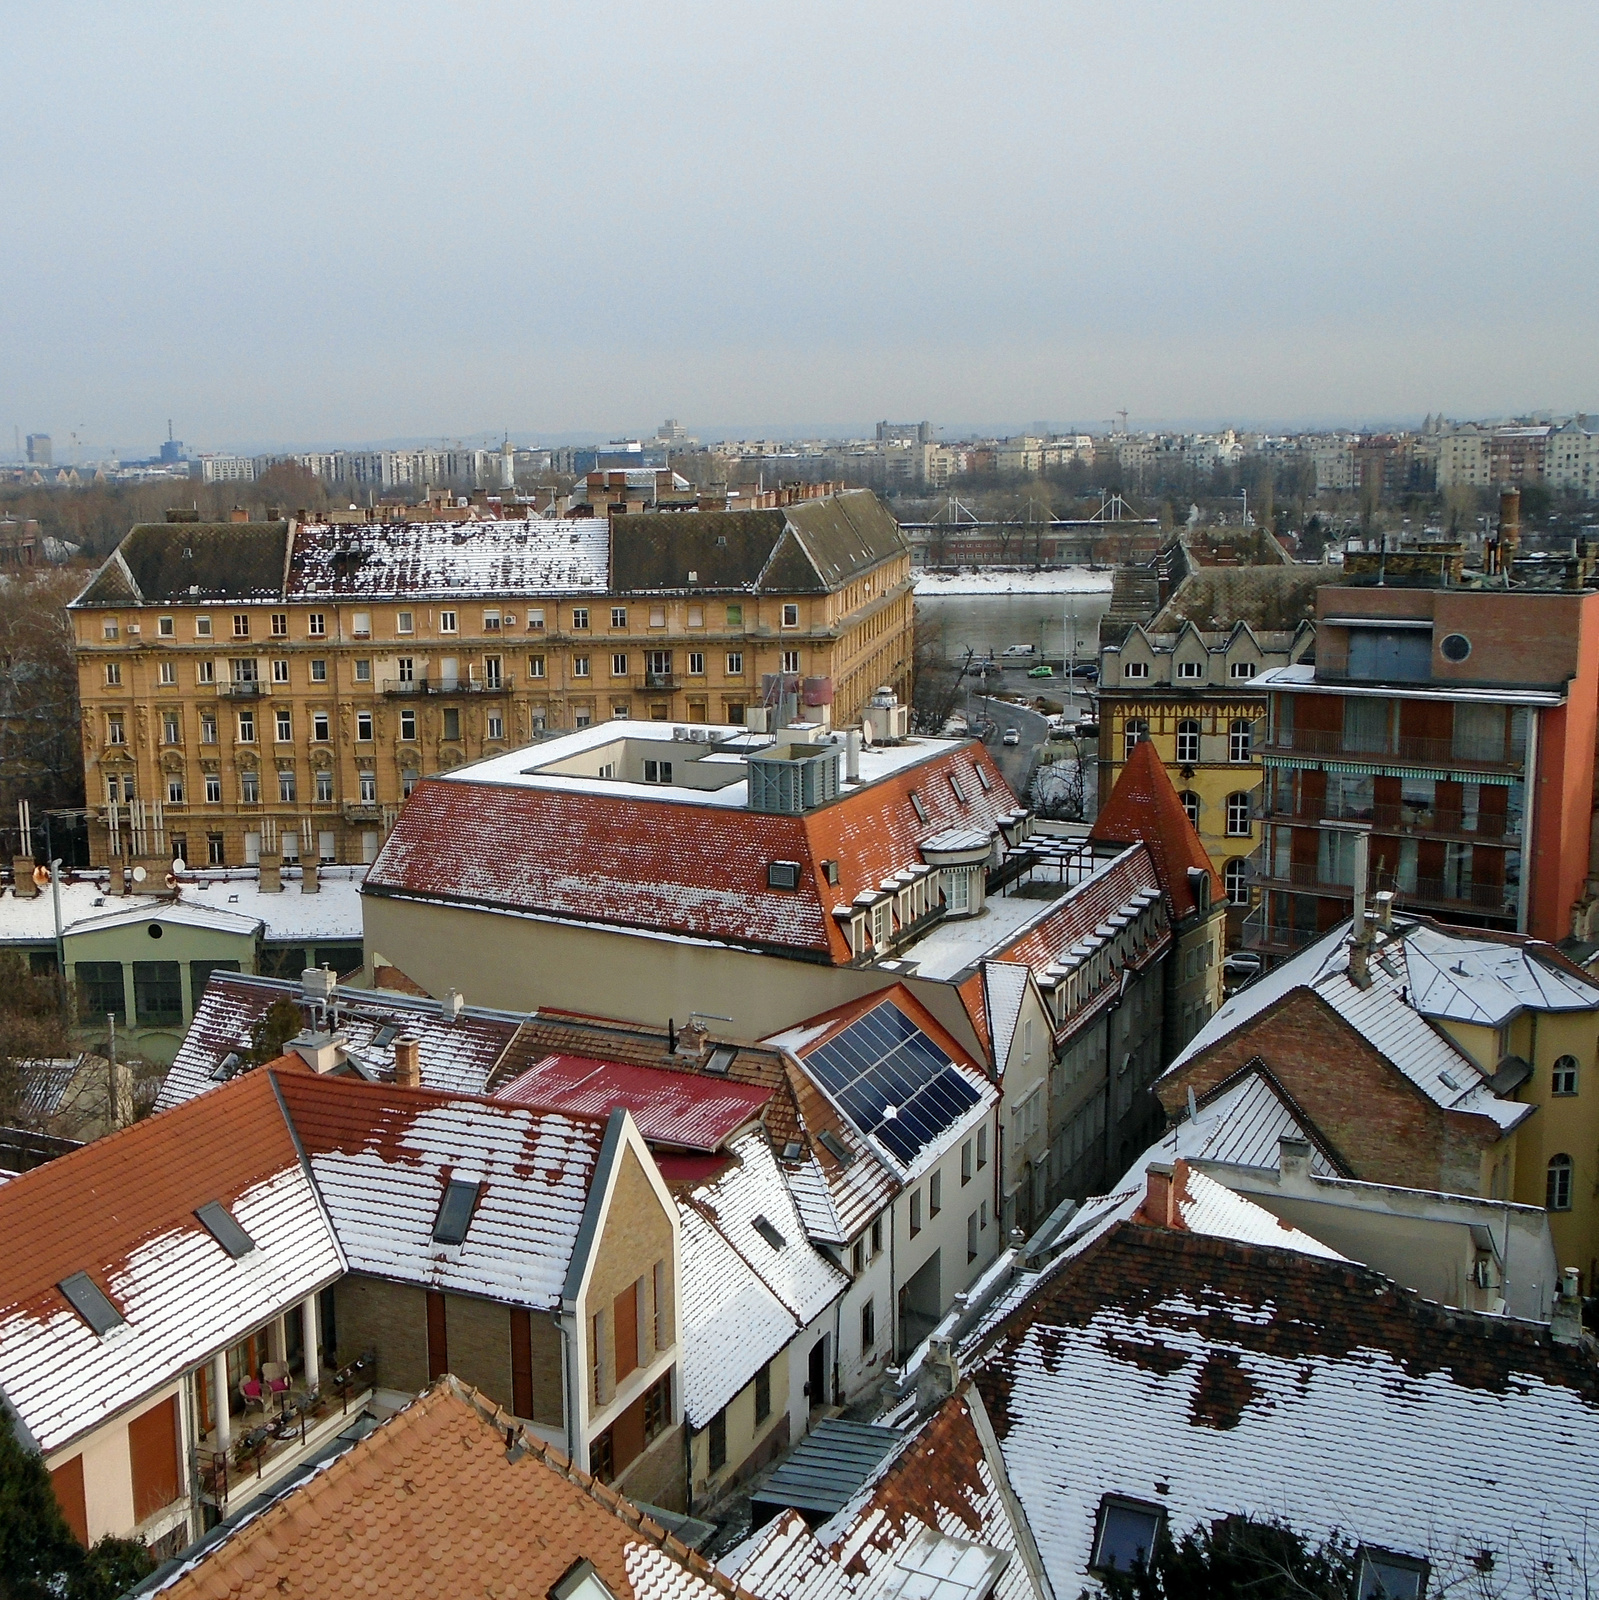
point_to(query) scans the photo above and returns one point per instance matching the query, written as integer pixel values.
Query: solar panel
(86, 1297)
(892, 1081)
(455, 1213)
(220, 1224)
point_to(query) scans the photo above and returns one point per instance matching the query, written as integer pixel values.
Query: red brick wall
(1385, 1129)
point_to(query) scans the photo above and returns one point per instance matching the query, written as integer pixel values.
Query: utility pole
(111, 1028)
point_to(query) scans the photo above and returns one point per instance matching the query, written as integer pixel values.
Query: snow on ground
(1058, 580)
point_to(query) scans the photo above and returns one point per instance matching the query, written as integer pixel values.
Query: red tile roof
(1143, 807)
(691, 1111)
(676, 867)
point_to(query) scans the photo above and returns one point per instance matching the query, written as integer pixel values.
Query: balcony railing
(425, 685)
(1497, 899)
(1474, 825)
(1272, 938)
(245, 688)
(1428, 752)
(660, 680)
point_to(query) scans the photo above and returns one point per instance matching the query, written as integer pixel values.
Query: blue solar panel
(883, 1060)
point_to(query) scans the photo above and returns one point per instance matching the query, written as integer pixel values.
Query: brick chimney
(408, 1061)
(22, 877)
(310, 876)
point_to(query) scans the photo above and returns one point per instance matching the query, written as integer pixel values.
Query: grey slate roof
(189, 561)
(812, 547)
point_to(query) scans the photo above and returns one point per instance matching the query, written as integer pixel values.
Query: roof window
(770, 1234)
(918, 807)
(1387, 1575)
(1125, 1534)
(835, 1147)
(455, 1212)
(219, 1222)
(955, 784)
(782, 875)
(87, 1298)
(982, 776)
(385, 1036)
(721, 1059)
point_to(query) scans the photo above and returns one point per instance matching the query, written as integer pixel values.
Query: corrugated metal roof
(828, 1466)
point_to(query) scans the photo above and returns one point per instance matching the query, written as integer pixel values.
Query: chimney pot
(408, 1061)
(1293, 1159)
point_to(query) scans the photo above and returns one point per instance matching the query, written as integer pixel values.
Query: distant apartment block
(39, 450)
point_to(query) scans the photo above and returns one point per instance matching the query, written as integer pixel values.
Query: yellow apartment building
(279, 687)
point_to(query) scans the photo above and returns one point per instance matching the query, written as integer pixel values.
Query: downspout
(893, 1288)
(1529, 806)
(564, 1322)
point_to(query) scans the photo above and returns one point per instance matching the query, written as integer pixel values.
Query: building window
(175, 791)
(158, 992)
(1241, 670)
(369, 788)
(100, 989)
(319, 726)
(535, 619)
(452, 723)
(213, 788)
(619, 664)
(1557, 1184)
(168, 673)
(241, 626)
(982, 1150)
(868, 1326)
(535, 666)
(763, 1393)
(316, 625)
(735, 663)
(618, 616)
(1238, 739)
(246, 727)
(171, 728)
(1125, 1534)
(446, 622)
(696, 663)
(791, 661)
(1190, 802)
(202, 627)
(1135, 669)
(280, 624)
(580, 666)
(1563, 1080)
(657, 616)
(324, 785)
(286, 788)
(363, 726)
(877, 1236)
(407, 724)
(496, 726)
(1188, 671)
(1238, 808)
(115, 730)
(580, 619)
(935, 1194)
(1134, 731)
(319, 672)
(1235, 879)
(657, 771)
(916, 1212)
(735, 616)
(280, 671)
(858, 1257)
(250, 787)
(602, 1456)
(966, 1162)
(205, 672)
(113, 673)
(696, 616)
(790, 616)
(165, 627)
(1188, 741)
(971, 1238)
(491, 622)
(658, 1407)
(215, 849)
(404, 622)
(716, 1441)
(208, 727)
(285, 724)
(410, 777)
(363, 671)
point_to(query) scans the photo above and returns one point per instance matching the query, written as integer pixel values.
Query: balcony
(1272, 938)
(659, 680)
(1463, 753)
(424, 685)
(244, 689)
(362, 811)
(1432, 821)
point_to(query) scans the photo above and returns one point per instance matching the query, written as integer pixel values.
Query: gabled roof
(1281, 1384)
(1143, 807)
(432, 1502)
(689, 1111)
(192, 562)
(1004, 989)
(814, 546)
(122, 1210)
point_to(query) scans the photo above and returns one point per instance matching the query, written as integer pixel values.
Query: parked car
(1020, 650)
(1086, 669)
(1041, 671)
(1241, 967)
(1012, 736)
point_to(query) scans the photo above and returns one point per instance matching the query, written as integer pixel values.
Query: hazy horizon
(337, 226)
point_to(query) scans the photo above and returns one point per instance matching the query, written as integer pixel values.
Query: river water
(984, 622)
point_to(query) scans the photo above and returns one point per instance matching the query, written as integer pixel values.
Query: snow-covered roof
(1004, 989)
(1459, 977)
(1212, 1377)
(1302, 677)
(509, 557)
(1383, 1013)
(1242, 1125)
(1209, 1207)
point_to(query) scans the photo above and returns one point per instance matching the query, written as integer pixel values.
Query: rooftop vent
(85, 1297)
(769, 1233)
(219, 1222)
(835, 1147)
(797, 780)
(455, 1212)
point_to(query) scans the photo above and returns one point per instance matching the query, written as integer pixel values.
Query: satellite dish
(41, 877)
(138, 874)
(179, 864)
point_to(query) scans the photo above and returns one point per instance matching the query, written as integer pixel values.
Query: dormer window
(1135, 669)
(1241, 669)
(1188, 671)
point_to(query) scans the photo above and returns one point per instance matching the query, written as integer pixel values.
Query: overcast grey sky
(348, 222)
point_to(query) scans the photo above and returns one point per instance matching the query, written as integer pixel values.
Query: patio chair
(256, 1396)
(276, 1376)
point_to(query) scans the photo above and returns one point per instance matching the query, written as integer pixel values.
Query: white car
(1012, 736)
(1018, 650)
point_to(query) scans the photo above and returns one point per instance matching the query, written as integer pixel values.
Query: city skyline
(304, 234)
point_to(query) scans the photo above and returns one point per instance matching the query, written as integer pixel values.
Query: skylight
(835, 1147)
(219, 1222)
(455, 1213)
(385, 1036)
(769, 1233)
(85, 1297)
(721, 1059)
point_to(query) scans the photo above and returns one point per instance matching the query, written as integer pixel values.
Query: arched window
(1239, 741)
(1238, 808)
(1563, 1079)
(1190, 802)
(1188, 741)
(1235, 875)
(1557, 1187)
(1134, 731)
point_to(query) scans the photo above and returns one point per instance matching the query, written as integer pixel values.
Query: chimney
(408, 1061)
(1158, 1205)
(1293, 1162)
(317, 984)
(310, 876)
(1509, 526)
(852, 756)
(691, 1039)
(937, 1375)
(1384, 901)
(22, 877)
(1362, 869)
(271, 874)
(321, 1052)
(453, 1003)
(1565, 1321)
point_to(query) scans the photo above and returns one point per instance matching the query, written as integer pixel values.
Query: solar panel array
(892, 1081)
